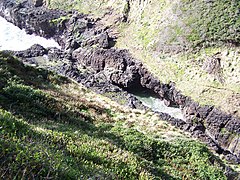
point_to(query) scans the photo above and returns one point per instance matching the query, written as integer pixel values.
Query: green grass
(60, 20)
(212, 23)
(184, 25)
(104, 151)
(87, 7)
(50, 127)
(158, 30)
(174, 39)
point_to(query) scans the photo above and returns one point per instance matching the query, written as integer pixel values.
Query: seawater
(158, 105)
(13, 38)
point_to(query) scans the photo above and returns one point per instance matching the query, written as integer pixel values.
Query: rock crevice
(90, 46)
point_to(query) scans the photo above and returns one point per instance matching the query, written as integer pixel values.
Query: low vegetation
(51, 127)
(174, 38)
(96, 8)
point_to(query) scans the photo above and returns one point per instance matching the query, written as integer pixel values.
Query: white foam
(157, 105)
(13, 38)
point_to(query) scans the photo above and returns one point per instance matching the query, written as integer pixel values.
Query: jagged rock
(232, 158)
(115, 63)
(213, 66)
(125, 72)
(233, 125)
(197, 127)
(234, 146)
(215, 121)
(33, 20)
(119, 68)
(37, 3)
(103, 40)
(190, 110)
(33, 51)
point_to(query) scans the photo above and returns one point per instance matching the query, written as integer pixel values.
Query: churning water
(13, 38)
(157, 105)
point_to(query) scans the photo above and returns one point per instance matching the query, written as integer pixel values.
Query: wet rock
(109, 70)
(33, 20)
(125, 72)
(33, 51)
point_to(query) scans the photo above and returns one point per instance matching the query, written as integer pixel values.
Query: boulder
(33, 51)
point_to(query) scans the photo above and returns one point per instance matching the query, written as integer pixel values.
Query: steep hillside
(52, 127)
(179, 41)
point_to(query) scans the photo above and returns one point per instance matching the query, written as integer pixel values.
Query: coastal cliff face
(185, 42)
(91, 43)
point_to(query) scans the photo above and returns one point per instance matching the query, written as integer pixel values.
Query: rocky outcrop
(62, 63)
(34, 51)
(33, 20)
(70, 29)
(221, 131)
(89, 45)
(118, 65)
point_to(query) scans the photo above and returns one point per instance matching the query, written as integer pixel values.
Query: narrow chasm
(154, 102)
(81, 52)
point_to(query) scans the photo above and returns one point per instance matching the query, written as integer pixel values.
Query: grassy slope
(51, 127)
(174, 39)
(97, 8)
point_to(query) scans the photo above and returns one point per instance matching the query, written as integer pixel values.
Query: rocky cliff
(88, 43)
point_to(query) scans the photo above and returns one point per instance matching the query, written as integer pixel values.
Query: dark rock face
(35, 50)
(62, 63)
(126, 72)
(88, 45)
(33, 20)
(117, 64)
(37, 3)
(70, 29)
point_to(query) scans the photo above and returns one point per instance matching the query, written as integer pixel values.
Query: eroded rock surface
(130, 74)
(108, 69)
